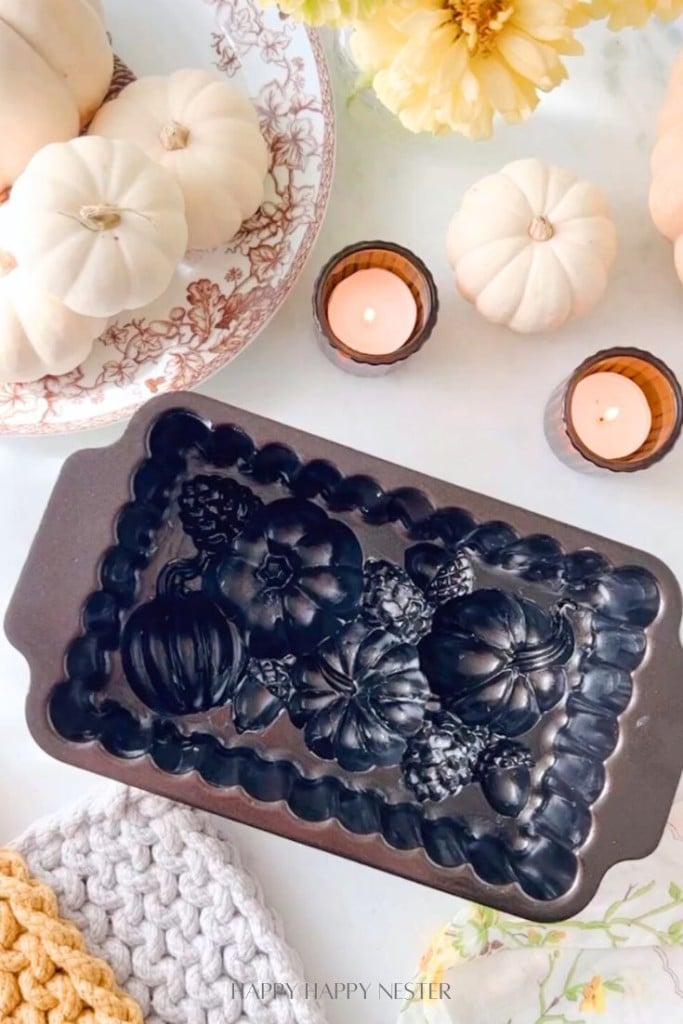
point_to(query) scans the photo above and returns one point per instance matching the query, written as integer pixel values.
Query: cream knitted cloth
(166, 903)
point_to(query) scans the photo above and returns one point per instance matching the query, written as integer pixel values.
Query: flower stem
(542, 1004)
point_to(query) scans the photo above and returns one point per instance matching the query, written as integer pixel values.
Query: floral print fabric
(620, 960)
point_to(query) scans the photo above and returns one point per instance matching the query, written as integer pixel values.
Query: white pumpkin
(98, 224)
(532, 245)
(671, 112)
(56, 64)
(38, 334)
(666, 187)
(206, 133)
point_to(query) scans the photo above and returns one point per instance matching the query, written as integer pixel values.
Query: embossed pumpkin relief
(427, 670)
(180, 654)
(311, 642)
(495, 663)
(291, 578)
(359, 697)
(498, 660)
(378, 666)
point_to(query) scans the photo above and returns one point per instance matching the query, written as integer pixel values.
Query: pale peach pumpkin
(666, 188)
(55, 68)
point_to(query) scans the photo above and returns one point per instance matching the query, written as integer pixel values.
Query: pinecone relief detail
(212, 509)
(446, 755)
(455, 578)
(392, 600)
(442, 757)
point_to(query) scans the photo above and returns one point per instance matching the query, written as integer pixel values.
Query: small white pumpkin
(55, 68)
(206, 133)
(671, 111)
(98, 224)
(531, 246)
(666, 188)
(38, 334)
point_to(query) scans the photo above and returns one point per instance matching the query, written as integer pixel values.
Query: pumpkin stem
(100, 216)
(540, 229)
(7, 263)
(557, 650)
(176, 574)
(174, 136)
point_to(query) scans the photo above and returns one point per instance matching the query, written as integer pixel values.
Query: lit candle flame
(611, 413)
(369, 315)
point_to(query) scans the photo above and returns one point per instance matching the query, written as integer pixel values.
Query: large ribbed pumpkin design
(498, 660)
(181, 655)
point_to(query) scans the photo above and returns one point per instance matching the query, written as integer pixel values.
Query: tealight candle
(620, 410)
(374, 305)
(610, 415)
(372, 311)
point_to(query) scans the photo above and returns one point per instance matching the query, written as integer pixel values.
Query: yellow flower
(594, 998)
(441, 947)
(625, 13)
(486, 917)
(324, 12)
(452, 64)
(436, 960)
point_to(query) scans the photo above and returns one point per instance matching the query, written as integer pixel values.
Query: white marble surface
(468, 409)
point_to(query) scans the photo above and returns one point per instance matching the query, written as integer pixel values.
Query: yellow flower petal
(535, 61)
(593, 996)
(505, 91)
(453, 64)
(324, 12)
(625, 13)
(452, 70)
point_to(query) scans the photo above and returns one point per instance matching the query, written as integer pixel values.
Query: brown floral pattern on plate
(219, 301)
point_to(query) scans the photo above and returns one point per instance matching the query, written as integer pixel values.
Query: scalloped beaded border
(546, 865)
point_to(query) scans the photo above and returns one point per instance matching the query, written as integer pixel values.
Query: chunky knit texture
(46, 973)
(159, 896)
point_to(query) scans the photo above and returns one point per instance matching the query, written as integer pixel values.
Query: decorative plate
(348, 653)
(219, 301)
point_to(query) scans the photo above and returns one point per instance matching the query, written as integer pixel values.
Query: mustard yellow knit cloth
(46, 974)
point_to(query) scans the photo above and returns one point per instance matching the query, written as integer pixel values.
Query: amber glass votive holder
(663, 395)
(365, 256)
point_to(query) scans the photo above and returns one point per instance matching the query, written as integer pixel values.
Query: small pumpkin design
(290, 579)
(180, 654)
(359, 697)
(532, 246)
(498, 660)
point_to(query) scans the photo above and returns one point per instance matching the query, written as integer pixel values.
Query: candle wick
(610, 414)
(369, 315)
